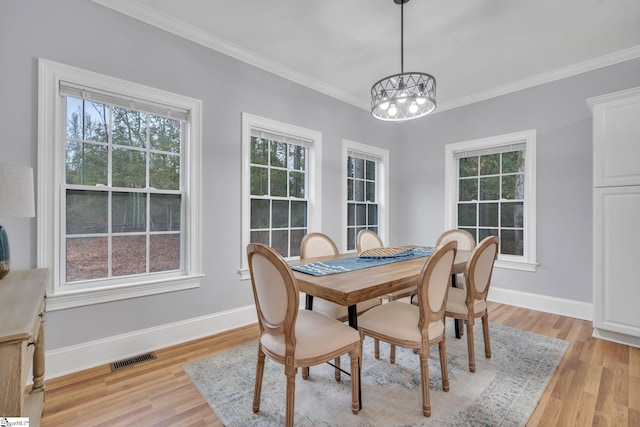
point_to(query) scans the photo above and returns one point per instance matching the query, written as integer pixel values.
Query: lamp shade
(16, 191)
(16, 200)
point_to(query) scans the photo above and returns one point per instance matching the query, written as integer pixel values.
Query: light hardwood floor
(597, 382)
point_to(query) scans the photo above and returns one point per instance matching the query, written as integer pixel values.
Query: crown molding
(167, 23)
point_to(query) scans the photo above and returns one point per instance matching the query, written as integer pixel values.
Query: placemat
(344, 265)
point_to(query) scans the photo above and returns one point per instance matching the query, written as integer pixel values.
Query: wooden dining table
(352, 287)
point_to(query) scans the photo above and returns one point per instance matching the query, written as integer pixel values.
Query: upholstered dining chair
(466, 242)
(368, 239)
(418, 326)
(470, 303)
(295, 338)
(317, 245)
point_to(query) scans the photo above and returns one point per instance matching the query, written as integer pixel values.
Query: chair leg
(355, 382)
(485, 332)
(392, 354)
(258, 387)
(424, 376)
(376, 348)
(442, 348)
(291, 393)
(337, 373)
(470, 345)
(305, 373)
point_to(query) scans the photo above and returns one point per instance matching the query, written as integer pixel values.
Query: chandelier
(403, 96)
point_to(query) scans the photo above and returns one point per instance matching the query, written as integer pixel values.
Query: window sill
(64, 300)
(516, 265)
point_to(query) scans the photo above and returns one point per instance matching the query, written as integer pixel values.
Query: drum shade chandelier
(403, 96)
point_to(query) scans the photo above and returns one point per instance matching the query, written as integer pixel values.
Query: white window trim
(314, 176)
(528, 261)
(50, 161)
(383, 189)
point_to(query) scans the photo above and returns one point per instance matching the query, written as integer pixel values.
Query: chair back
(466, 241)
(275, 291)
(479, 269)
(317, 244)
(368, 239)
(433, 285)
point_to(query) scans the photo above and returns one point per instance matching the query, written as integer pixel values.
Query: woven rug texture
(503, 391)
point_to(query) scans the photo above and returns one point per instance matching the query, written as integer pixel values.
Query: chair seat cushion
(316, 334)
(399, 321)
(456, 303)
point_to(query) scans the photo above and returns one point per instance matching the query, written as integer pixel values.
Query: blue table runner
(344, 265)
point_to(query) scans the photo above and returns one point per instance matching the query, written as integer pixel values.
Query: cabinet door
(616, 140)
(617, 259)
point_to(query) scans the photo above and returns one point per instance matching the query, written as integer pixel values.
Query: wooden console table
(22, 307)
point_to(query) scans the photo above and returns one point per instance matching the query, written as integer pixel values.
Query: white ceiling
(476, 49)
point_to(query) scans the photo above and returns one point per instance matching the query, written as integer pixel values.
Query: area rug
(503, 391)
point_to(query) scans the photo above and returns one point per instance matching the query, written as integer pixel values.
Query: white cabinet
(616, 215)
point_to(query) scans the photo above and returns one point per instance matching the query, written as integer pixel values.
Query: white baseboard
(616, 337)
(87, 355)
(564, 307)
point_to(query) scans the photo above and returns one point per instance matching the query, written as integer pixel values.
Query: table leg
(308, 304)
(457, 325)
(353, 322)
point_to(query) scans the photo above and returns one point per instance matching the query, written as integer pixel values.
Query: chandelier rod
(402, 37)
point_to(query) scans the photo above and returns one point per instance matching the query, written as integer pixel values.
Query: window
(366, 190)
(119, 188)
(280, 184)
(490, 187)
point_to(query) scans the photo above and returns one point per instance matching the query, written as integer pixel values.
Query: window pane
(297, 157)
(280, 242)
(129, 127)
(164, 252)
(298, 214)
(370, 170)
(96, 121)
(359, 190)
(512, 214)
(361, 214)
(296, 240)
(351, 214)
(129, 255)
(351, 167)
(129, 211)
(128, 168)
(87, 258)
(512, 242)
(490, 188)
(86, 163)
(371, 191)
(467, 214)
(280, 214)
(350, 189)
(513, 186)
(372, 217)
(259, 181)
(74, 118)
(484, 232)
(87, 212)
(296, 185)
(166, 212)
(279, 183)
(278, 154)
(351, 239)
(359, 168)
(260, 237)
(164, 171)
(468, 190)
(472, 231)
(512, 162)
(488, 214)
(490, 164)
(259, 213)
(165, 134)
(469, 166)
(259, 151)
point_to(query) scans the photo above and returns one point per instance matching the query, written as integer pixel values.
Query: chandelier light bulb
(384, 105)
(413, 108)
(392, 110)
(420, 100)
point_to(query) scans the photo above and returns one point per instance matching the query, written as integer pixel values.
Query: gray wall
(86, 35)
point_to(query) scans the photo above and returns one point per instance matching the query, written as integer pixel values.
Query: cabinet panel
(616, 141)
(617, 259)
